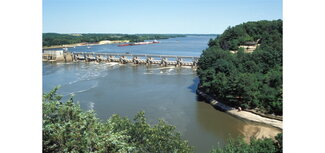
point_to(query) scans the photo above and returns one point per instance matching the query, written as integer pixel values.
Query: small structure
(249, 46)
(53, 55)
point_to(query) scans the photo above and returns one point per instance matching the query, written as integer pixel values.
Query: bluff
(247, 80)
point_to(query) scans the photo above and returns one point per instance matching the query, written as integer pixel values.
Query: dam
(123, 58)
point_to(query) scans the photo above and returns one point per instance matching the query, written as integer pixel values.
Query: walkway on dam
(163, 60)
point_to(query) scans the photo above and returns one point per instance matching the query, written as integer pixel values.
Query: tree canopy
(66, 128)
(249, 80)
(268, 32)
(265, 145)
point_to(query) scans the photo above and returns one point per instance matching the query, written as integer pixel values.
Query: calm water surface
(162, 92)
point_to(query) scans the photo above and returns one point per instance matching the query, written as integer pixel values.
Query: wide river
(166, 93)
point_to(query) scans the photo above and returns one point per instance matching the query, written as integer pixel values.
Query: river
(166, 93)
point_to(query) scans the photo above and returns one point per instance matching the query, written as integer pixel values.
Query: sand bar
(241, 114)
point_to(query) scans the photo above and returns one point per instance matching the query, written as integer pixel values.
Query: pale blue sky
(154, 16)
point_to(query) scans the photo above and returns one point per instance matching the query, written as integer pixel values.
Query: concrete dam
(124, 58)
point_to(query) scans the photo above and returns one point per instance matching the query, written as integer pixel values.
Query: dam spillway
(123, 58)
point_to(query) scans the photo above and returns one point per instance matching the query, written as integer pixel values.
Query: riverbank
(69, 45)
(103, 42)
(241, 114)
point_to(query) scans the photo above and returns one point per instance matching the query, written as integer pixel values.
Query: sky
(154, 16)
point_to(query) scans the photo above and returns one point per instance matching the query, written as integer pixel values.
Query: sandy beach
(242, 114)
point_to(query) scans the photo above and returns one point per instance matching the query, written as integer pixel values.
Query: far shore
(64, 46)
(86, 44)
(247, 115)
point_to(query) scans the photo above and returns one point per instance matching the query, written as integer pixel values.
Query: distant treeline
(50, 39)
(202, 35)
(249, 80)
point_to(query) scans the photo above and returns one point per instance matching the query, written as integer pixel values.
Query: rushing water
(162, 92)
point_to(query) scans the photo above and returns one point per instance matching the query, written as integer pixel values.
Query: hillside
(247, 80)
(268, 32)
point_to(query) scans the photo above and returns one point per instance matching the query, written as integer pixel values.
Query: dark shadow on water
(194, 85)
(221, 106)
(200, 99)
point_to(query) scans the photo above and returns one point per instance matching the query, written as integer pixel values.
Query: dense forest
(66, 128)
(247, 80)
(50, 39)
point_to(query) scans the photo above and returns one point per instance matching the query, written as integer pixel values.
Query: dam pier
(123, 58)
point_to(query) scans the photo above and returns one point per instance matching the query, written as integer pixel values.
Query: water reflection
(194, 85)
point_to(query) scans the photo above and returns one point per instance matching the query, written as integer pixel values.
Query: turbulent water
(166, 93)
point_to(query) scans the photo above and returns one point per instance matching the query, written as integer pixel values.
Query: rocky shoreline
(247, 115)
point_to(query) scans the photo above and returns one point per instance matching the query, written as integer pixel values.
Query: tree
(264, 145)
(66, 128)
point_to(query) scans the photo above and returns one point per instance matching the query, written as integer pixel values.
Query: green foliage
(265, 145)
(66, 128)
(279, 142)
(50, 39)
(269, 33)
(242, 79)
(158, 138)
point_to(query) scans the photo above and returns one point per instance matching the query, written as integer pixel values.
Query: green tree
(66, 128)
(264, 145)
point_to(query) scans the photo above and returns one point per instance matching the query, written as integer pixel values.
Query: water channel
(166, 93)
